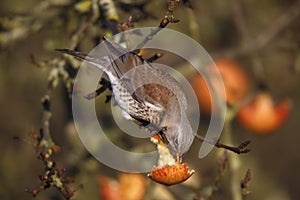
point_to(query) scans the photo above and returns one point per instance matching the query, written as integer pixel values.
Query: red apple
(171, 174)
(168, 171)
(262, 115)
(129, 186)
(235, 79)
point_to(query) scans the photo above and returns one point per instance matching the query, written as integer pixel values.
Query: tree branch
(241, 148)
(278, 25)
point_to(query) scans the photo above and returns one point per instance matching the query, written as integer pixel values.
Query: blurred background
(255, 44)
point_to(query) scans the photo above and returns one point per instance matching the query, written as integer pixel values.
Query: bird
(146, 94)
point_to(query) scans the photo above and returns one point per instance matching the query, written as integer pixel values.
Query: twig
(164, 22)
(278, 25)
(239, 19)
(45, 148)
(245, 184)
(76, 37)
(172, 5)
(240, 22)
(241, 148)
(108, 7)
(222, 164)
(45, 130)
(19, 26)
(169, 18)
(234, 160)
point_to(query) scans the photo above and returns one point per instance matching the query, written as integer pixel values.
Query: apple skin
(169, 171)
(262, 115)
(236, 82)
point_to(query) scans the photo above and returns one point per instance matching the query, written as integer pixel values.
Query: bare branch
(241, 148)
(245, 184)
(168, 18)
(222, 164)
(278, 25)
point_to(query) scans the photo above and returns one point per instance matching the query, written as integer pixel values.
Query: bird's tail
(100, 63)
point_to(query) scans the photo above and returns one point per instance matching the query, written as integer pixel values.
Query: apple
(235, 79)
(263, 115)
(169, 171)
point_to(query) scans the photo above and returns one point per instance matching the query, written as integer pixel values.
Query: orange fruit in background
(262, 115)
(129, 186)
(235, 79)
(109, 188)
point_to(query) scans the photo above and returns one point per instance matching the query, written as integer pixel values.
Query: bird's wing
(145, 82)
(122, 62)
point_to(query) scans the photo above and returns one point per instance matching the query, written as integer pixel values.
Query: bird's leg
(154, 57)
(165, 140)
(178, 158)
(105, 84)
(163, 135)
(108, 98)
